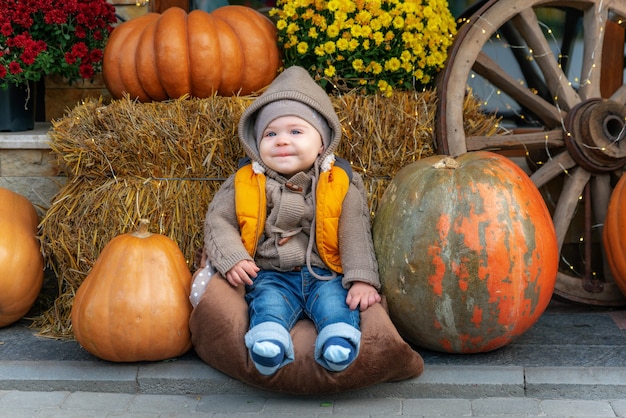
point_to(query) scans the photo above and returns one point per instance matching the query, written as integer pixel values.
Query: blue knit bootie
(339, 353)
(267, 356)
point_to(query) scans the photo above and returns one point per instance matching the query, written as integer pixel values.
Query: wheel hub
(596, 135)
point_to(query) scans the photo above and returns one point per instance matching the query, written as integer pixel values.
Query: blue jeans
(277, 300)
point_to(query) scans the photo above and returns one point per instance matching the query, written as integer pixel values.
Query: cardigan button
(293, 187)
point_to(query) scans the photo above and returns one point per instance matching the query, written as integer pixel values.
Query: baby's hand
(362, 295)
(242, 273)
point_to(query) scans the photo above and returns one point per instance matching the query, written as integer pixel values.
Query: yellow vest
(251, 204)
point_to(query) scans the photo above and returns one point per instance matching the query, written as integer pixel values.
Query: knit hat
(279, 108)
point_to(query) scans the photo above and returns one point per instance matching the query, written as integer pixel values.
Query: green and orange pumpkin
(134, 303)
(21, 259)
(232, 50)
(467, 252)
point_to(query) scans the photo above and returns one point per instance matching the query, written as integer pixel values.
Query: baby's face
(290, 145)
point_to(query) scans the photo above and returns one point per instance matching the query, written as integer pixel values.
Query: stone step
(28, 167)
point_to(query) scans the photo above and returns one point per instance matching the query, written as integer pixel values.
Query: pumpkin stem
(142, 229)
(447, 162)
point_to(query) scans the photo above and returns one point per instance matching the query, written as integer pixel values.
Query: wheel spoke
(594, 23)
(620, 95)
(552, 168)
(491, 71)
(568, 200)
(562, 92)
(518, 139)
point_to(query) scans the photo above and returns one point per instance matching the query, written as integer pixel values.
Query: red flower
(32, 51)
(81, 33)
(22, 16)
(6, 29)
(70, 58)
(14, 68)
(80, 50)
(65, 37)
(55, 16)
(86, 71)
(96, 55)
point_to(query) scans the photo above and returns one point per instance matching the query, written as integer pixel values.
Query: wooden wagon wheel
(566, 125)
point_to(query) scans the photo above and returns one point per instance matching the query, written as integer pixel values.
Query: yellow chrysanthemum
(358, 66)
(398, 22)
(376, 46)
(375, 24)
(302, 48)
(281, 24)
(292, 28)
(407, 66)
(363, 17)
(332, 31)
(375, 68)
(385, 88)
(333, 5)
(342, 44)
(378, 38)
(356, 31)
(392, 64)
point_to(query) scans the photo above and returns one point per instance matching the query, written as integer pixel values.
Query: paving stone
(230, 404)
(367, 407)
(437, 407)
(578, 408)
(619, 407)
(31, 400)
(159, 404)
(97, 401)
(506, 406)
(299, 406)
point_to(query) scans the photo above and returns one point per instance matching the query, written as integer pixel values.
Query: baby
(293, 227)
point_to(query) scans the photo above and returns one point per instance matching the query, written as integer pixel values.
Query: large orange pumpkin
(232, 50)
(467, 252)
(21, 260)
(134, 303)
(614, 234)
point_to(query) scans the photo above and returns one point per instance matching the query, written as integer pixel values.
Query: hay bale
(164, 161)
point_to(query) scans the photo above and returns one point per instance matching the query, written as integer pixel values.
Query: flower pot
(61, 96)
(18, 108)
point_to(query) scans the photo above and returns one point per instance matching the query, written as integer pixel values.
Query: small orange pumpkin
(134, 303)
(614, 234)
(232, 50)
(21, 260)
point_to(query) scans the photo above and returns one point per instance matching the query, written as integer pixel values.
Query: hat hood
(293, 84)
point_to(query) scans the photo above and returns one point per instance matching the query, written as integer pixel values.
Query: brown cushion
(220, 320)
